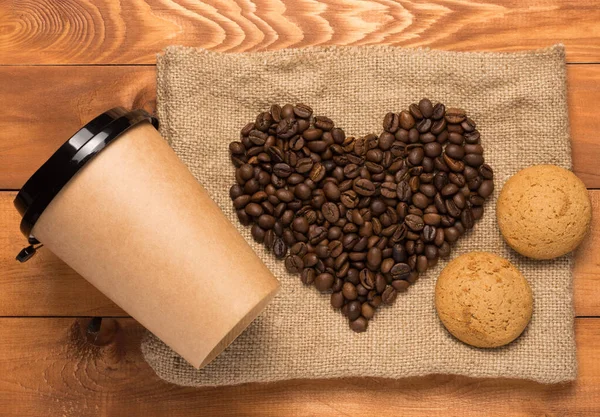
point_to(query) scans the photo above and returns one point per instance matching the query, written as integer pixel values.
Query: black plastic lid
(51, 177)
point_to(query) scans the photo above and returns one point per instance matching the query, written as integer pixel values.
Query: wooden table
(64, 61)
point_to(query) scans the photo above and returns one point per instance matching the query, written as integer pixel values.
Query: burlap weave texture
(519, 103)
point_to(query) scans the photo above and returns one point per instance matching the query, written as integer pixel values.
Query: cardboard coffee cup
(117, 205)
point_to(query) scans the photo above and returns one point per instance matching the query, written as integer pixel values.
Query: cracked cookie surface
(483, 300)
(544, 211)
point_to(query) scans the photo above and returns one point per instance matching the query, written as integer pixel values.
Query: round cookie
(483, 300)
(544, 211)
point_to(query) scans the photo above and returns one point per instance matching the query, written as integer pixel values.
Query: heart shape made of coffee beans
(360, 217)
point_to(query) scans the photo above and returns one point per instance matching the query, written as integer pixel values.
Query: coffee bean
(400, 271)
(294, 264)
(452, 209)
(424, 125)
(429, 233)
(303, 111)
(477, 212)
(472, 137)
(475, 183)
(449, 190)
(415, 156)
(439, 110)
(324, 282)
(485, 189)
(308, 277)
(460, 200)
(432, 219)
(453, 164)
(414, 222)
(324, 123)
(359, 325)
(337, 300)
(466, 218)
(451, 234)
(389, 295)
(279, 248)
(432, 149)
(473, 159)
(363, 187)
(391, 122)
(486, 172)
(407, 120)
(367, 279)
(330, 212)
(426, 107)
(455, 151)
(420, 200)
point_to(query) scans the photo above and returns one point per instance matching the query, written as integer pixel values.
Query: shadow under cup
(117, 205)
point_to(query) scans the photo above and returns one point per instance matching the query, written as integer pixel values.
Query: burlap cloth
(519, 103)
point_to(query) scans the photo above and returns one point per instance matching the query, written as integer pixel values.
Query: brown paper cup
(135, 223)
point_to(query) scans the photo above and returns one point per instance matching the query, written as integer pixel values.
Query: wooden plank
(104, 31)
(64, 98)
(44, 106)
(50, 367)
(45, 286)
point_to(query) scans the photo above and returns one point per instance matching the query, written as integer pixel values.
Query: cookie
(544, 211)
(483, 300)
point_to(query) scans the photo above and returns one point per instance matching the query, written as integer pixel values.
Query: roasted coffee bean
(451, 234)
(475, 183)
(294, 264)
(308, 277)
(452, 209)
(477, 212)
(432, 149)
(303, 111)
(473, 159)
(324, 282)
(389, 295)
(453, 164)
(424, 125)
(391, 122)
(279, 248)
(414, 222)
(439, 110)
(359, 325)
(455, 151)
(429, 233)
(337, 300)
(466, 218)
(407, 120)
(374, 257)
(324, 123)
(449, 190)
(426, 107)
(400, 271)
(420, 200)
(486, 172)
(460, 200)
(486, 188)
(415, 156)
(363, 187)
(330, 212)
(432, 219)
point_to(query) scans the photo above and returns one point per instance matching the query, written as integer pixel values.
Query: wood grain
(45, 286)
(44, 106)
(53, 367)
(104, 31)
